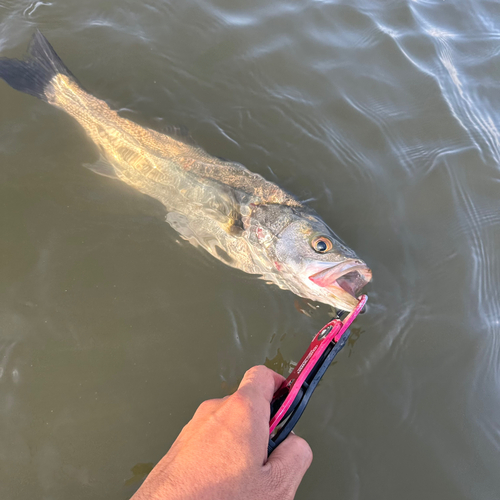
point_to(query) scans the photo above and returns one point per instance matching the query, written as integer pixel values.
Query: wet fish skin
(236, 215)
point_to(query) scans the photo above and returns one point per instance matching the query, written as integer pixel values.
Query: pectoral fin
(102, 167)
(234, 225)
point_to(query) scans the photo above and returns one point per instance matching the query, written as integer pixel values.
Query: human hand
(221, 453)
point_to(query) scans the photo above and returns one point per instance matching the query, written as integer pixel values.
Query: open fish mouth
(344, 281)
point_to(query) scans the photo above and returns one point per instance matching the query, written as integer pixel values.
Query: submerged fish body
(236, 215)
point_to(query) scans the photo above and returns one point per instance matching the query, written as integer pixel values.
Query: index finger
(261, 382)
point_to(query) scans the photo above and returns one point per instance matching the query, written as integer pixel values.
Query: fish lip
(328, 278)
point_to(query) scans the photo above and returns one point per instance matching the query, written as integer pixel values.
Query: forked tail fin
(32, 74)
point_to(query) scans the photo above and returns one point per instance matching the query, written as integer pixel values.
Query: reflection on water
(280, 364)
(384, 115)
(139, 473)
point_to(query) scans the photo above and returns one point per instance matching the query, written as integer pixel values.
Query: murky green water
(113, 329)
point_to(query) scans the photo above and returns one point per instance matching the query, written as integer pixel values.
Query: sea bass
(237, 216)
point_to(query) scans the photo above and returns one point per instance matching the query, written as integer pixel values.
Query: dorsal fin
(238, 177)
(179, 133)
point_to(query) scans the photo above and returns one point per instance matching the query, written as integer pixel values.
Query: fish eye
(322, 244)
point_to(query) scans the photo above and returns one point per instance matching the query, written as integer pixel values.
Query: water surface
(384, 114)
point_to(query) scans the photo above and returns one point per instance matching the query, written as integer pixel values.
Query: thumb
(288, 463)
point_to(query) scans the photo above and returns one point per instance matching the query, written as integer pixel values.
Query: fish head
(316, 264)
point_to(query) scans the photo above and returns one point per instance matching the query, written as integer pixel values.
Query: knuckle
(240, 400)
(207, 406)
(302, 450)
(259, 369)
(307, 453)
(256, 371)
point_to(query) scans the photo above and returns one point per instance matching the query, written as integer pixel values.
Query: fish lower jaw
(340, 285)
(341, 299)
(334, 296)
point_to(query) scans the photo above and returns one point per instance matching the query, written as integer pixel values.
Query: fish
(237, 216)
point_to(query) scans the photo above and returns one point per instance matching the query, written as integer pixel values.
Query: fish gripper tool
(290, 400)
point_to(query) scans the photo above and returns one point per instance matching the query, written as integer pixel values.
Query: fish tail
(33, 74)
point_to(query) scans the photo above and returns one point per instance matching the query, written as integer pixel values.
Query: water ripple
(383, 114)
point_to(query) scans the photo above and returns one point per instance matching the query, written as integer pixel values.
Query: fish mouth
(344, 282)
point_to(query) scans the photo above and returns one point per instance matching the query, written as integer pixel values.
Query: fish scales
(236, 215)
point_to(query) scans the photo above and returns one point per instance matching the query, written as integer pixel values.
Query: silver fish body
(236, 215)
